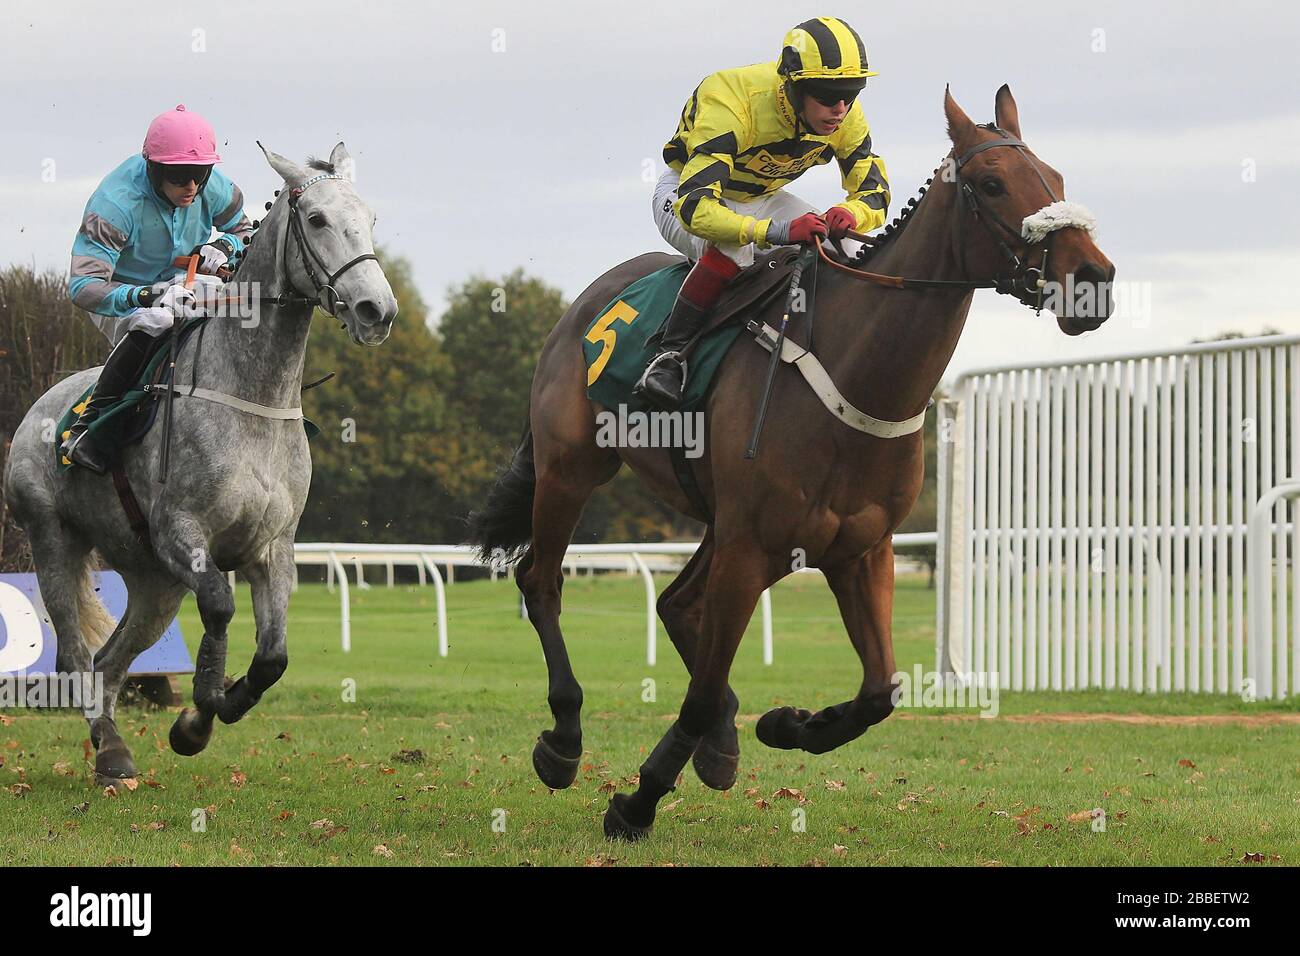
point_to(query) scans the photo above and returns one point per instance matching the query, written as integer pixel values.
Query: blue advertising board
(27, 641)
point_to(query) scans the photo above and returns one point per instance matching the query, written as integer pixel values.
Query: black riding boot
(121, 369)
(665, 377)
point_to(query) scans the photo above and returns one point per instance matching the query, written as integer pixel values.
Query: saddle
(129, 419)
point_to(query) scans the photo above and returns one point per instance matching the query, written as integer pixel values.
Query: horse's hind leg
(566, 477)
(61, 559)
(864, 589)
(152, 602)
(740, 571)
(681, 607)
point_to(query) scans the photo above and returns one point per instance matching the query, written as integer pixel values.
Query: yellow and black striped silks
(740, 138)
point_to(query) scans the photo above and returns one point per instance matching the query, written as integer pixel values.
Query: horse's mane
(320, 164)
(895, 228)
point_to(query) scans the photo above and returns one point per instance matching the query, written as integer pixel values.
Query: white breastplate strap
(221, 398)
(817, 377)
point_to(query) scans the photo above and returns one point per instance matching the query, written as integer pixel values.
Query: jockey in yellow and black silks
(744, 134)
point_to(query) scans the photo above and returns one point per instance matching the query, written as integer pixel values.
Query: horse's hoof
(617, 826)
(779, 728)
(114, 764)
(185, 739)
(104, 781)
(553, 768)
(716, 770)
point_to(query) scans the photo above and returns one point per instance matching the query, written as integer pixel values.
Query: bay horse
(817, 488)
(239, 467)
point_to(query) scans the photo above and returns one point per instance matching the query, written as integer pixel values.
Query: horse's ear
(287, 169)
(341, 160)
(960, 128)
(1005, 112)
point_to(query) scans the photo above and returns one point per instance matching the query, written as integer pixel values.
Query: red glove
(839, 221)
(807, 228)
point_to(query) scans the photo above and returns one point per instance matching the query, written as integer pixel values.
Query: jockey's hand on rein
(806, 229)
(177, 300)
(212, 256)
(839, 221)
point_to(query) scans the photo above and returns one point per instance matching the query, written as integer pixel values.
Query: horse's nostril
(368, 312)
(1090, 272)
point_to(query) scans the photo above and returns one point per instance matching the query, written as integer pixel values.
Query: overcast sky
(501, 134)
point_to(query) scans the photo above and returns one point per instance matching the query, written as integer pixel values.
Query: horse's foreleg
(182, 548)
(271, 580)
(737, 578)
(681, 607)
(864, 589)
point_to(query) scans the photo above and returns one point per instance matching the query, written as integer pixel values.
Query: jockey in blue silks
(154, 207)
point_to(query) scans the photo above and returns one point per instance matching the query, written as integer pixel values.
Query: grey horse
(238, 477)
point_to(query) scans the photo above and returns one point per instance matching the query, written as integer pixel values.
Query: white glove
(212, 258)
(153, 320)
(177, 300)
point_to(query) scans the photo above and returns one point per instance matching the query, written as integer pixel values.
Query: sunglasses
(831, 95)
(184, 175)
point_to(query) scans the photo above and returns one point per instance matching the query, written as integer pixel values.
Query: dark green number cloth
(614, 344)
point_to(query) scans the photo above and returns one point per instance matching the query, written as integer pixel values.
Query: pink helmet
(181, 138)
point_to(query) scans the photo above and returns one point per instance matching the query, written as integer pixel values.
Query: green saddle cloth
(615, 343)
(128, 419)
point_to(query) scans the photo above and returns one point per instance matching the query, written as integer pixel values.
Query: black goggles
(829, 94)
(184, 175)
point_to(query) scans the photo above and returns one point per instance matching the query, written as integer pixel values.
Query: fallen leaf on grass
(409, 756)
(834, 785)
(1083, 816)
(383, 851)
(1186, 763)
(838, 849)
(790, 793)
(63, 769)
(238, 779)
(20, 789)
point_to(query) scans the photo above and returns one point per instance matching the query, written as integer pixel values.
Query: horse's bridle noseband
(326, 297)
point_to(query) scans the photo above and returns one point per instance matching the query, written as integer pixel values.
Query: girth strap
(819, 379)
(233, 401)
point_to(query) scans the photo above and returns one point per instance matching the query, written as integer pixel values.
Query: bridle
(326, 296)
(1025, 282)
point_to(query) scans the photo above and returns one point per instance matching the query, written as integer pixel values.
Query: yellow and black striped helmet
(825, 48)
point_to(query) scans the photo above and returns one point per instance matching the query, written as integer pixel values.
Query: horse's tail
(504, 528)
(97, 625)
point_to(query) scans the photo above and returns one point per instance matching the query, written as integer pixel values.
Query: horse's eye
(992, 187)
(316, 219)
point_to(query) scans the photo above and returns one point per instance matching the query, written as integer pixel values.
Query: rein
(1025, 282)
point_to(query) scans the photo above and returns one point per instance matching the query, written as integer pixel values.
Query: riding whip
(805, 257)
(191, 264)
